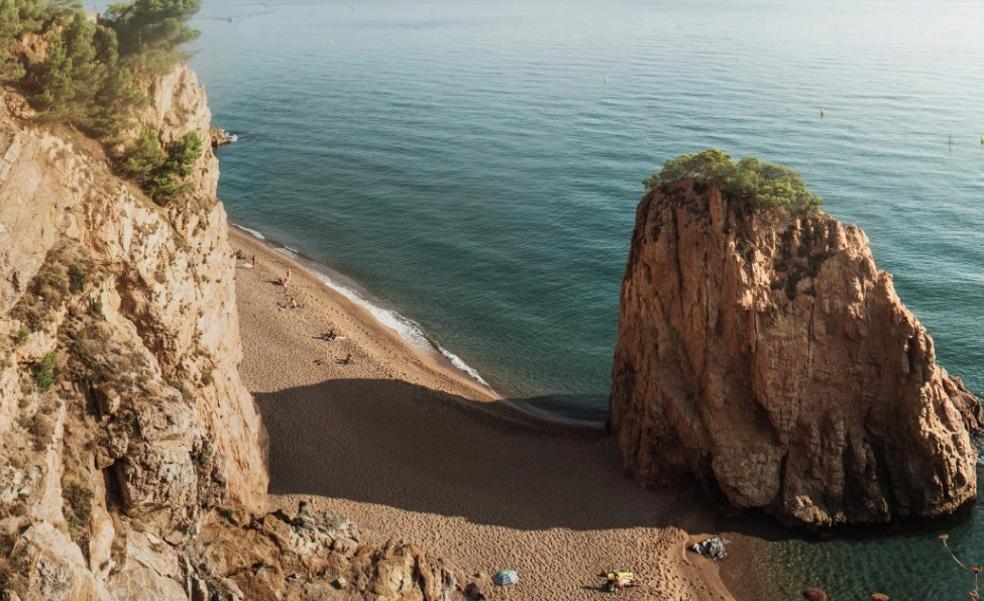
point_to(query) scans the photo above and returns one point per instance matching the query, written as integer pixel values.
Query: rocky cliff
(131, 456)
(763, 353)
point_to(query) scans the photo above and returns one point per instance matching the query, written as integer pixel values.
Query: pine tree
(117, 95)
(151, 30)
(67, 81)
(17, 17)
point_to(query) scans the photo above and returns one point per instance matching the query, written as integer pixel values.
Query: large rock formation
(763, 353)
(131, 455)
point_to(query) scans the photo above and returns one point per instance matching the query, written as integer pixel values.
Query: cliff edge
(131, 455)
(762, 352)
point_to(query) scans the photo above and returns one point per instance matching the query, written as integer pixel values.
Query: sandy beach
(410, 448)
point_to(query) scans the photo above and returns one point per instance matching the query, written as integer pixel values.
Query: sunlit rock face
(764, 354)
(131, 455)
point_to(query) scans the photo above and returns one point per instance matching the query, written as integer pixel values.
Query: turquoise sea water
(475, 167)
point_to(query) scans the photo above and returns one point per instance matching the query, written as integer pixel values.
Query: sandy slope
(392, 442)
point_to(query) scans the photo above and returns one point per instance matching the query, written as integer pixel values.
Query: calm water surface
(468, 164)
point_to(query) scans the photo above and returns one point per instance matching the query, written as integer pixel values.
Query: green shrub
(21, 336)
(43, 371)
(161, 172)
(144, 157)
(182, 154)
(765, 185)
(76, 278)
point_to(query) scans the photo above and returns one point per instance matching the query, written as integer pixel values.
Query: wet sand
(412, 449)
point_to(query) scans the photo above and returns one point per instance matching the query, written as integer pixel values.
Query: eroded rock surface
(131, 455)
(766, 355)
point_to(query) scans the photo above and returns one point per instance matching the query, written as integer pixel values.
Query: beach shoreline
(431, 352)
(410, 448)
(246, 240)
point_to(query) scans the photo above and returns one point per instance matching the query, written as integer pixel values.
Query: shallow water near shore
(475, 168)
(905, 560)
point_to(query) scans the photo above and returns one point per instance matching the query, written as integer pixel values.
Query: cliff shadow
(393, 443)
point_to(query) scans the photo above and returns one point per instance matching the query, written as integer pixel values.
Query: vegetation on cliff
(17, 17)
(152, 31)
(160, 171)
(765, 185)
(91, 74)
(82, 81)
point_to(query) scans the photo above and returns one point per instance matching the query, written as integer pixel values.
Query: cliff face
(765, 354)
(131, 455)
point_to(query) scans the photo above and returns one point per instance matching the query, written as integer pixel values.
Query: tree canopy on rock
(153, 29)
(91, 73)
(17, 17)
(766, 185)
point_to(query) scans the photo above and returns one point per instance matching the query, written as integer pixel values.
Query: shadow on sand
(394, 443)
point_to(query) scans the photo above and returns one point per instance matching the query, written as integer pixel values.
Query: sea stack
(762, 353)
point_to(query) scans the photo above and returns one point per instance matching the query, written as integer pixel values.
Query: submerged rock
(763, 353)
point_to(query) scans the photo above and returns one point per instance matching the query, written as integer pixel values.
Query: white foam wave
(406, 328)
(251, 232)
(460, 364)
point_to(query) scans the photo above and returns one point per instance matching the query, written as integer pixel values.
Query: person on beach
(618, 581)
(347, 360)
(252, 260)
(329, 335)
(284, 280)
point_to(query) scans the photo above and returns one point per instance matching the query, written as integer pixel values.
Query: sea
(469, 170)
